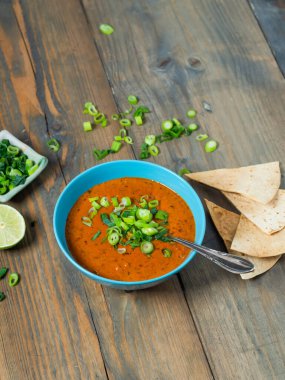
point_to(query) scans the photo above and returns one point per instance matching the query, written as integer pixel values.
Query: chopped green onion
(183, 171)
(13, 150)
(29, 163)
(153, 203)
(115, 117)
(153, 150)
(118, 138)
(147, 247)
(100, 154)
(106, 220)
(202, 137)
(106, 29)
(3, 189)
(144, 214)
(139, 120)
(116, 146)
(130, 220)
(104, 202)
(2, 296)
(94, 237)
(121, 251)
(193, 127)
(149, 231)
(191, 113)
(104, 123)
(211, 146)
(87, 221)
(125, 122)
(53, 145)
(132, 99)
(176, 121)
(161, 215)
(99, 118)
(167, 252)
(126, 201)
(14, 279)
(114, 201)
(33, 169)
(90, 109)
(166, 125)
(96, 205)
(123, 133)
(150, 139)
(92, 212)
(3, 272)
(93, 199)
(113, 238)
(87, 126)
(128, 140)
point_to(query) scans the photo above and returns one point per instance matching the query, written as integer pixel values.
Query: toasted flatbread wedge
(257, 182)
(250, 240)
(226, 223)
(270, 218)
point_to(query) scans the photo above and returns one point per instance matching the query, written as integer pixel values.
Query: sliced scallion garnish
(132, 99)
(202, 137)
(94, 237)
(14, 279)
(106, 29)
(53, 145)
(191, 113)
(211, 146)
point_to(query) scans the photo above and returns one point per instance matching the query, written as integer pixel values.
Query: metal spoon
(231, 263)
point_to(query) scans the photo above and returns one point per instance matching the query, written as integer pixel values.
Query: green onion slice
(153, 150)
(191, 113)
(211, 146)
(104, 202)
(13, 150)
(126, 201)
(14, 279)
(139, 120)
(128, 140)
(183, 171)
(125, 122)
(3, 272)
(161, 215)
(132, 99)
(121, 251)
(116, 145)
(113, 238)
(87, 126)
(144, 214)
(123, 133)
(153, 203)
(192, 127)
(114, 201)
(167, 252)
(147, 247)
(149, 231)
(150, 139)
(87, 221)
(115, 117)
(33, 169)
(92, 212)
(90, 109)
(202, 137)
(106, 29)
(94, 237)
(167, 125)
(53, 145)
(99, 118)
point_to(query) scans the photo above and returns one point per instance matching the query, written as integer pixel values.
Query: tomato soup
(99, 257)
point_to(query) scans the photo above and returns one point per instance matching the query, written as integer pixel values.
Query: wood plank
(270, 16)
(45, 323)
(174, 55)
(68, 68)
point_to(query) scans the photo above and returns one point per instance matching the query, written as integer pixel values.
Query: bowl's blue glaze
(119, 169)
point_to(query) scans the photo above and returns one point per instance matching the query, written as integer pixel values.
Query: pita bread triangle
(250, 240)
(226, 223)
(270, 218)
(258, 182)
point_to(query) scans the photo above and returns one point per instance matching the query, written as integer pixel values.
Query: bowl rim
(109, 281)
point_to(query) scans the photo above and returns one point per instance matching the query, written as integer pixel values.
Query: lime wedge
(12, 227)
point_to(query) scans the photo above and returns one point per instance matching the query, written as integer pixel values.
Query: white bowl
(33, 155)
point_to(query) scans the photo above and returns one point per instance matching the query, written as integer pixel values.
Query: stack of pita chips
(259, 231)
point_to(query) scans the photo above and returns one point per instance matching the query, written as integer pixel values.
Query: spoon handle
(231, 263)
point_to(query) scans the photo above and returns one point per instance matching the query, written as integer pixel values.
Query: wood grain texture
(68, 72)
(271, 18)
(46, 329)
(173, 55)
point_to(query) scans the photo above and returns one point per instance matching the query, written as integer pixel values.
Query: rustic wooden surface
(203, 323)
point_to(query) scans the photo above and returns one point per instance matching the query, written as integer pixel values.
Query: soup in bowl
(114, 223)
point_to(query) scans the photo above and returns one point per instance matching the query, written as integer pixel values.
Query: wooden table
(204, 323)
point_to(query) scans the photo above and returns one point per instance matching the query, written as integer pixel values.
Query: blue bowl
(118, 169)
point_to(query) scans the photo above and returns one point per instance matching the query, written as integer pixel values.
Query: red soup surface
(103, 259)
